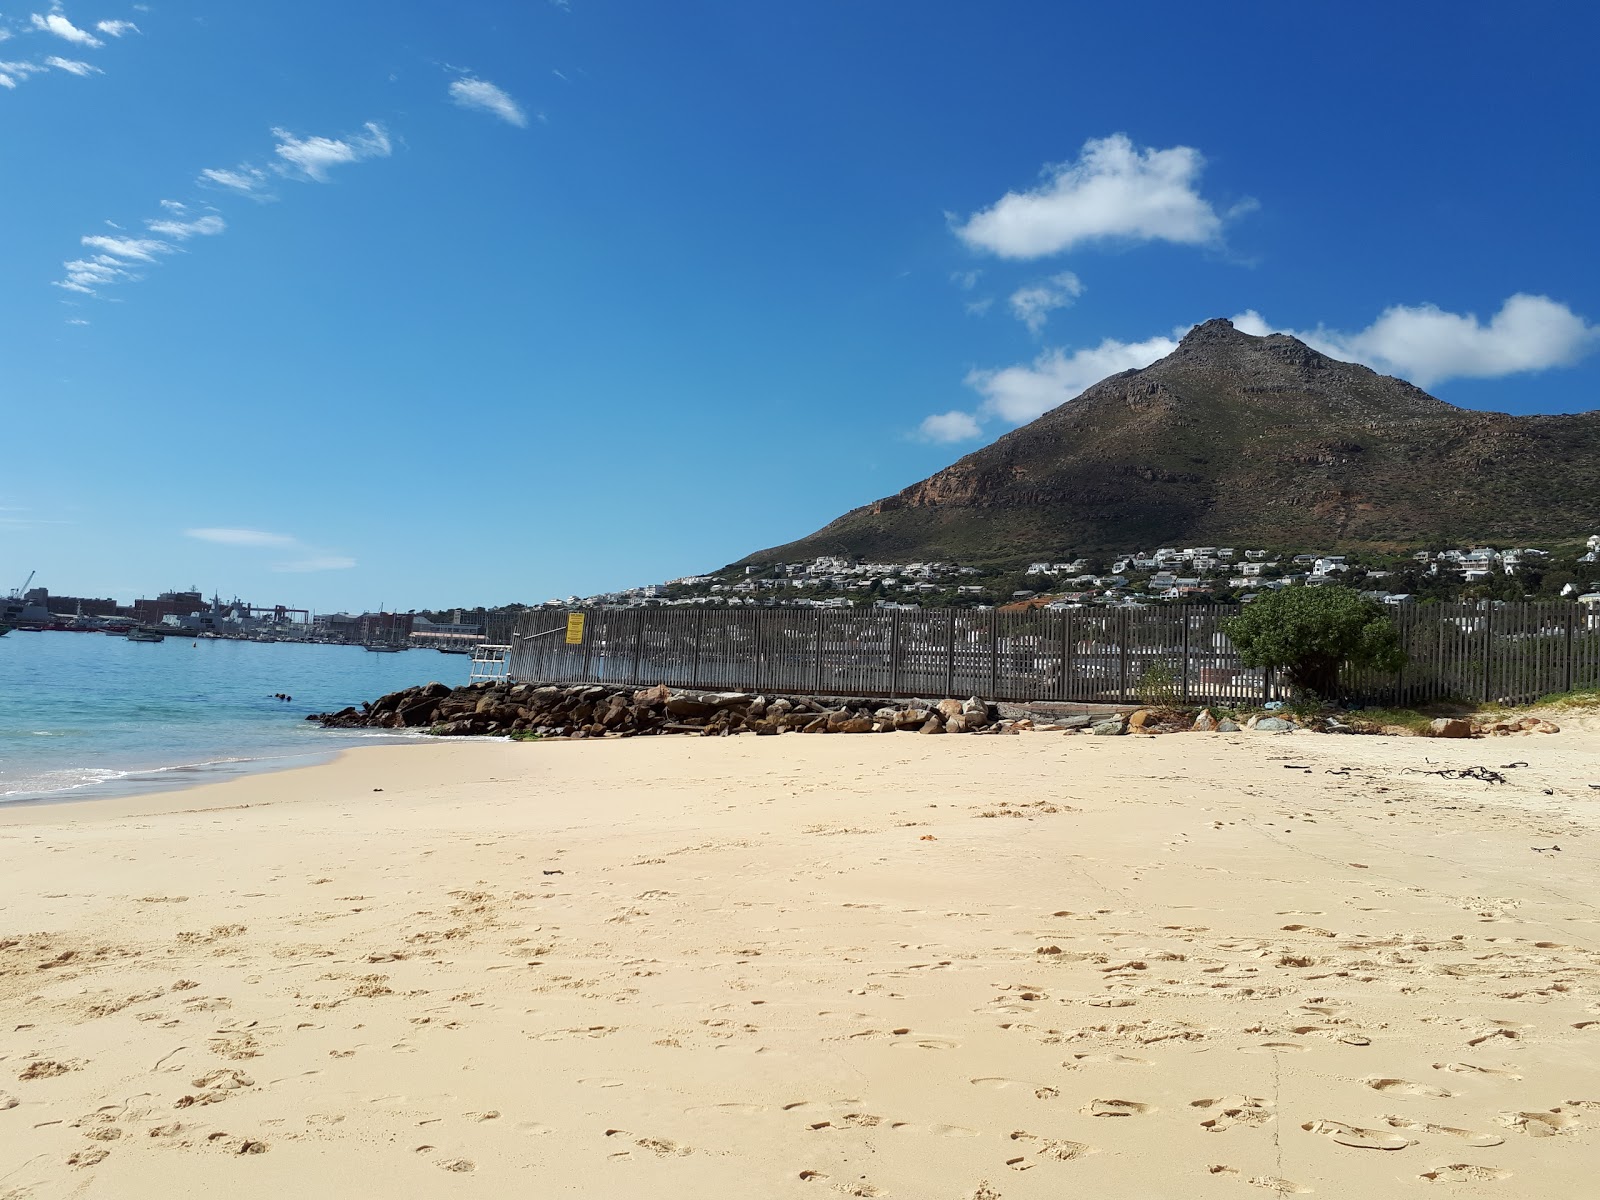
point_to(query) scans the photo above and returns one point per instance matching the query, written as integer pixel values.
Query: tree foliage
(1310, 633)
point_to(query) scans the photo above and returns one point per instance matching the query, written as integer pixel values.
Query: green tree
(1310, 633)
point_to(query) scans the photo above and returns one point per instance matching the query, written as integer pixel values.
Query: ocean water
(84, 714)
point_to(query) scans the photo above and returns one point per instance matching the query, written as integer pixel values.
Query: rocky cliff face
(1235, 439)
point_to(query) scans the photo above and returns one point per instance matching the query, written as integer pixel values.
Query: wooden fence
(1177, 654)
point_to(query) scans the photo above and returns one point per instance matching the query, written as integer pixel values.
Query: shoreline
(158, 780)
(799, 967)
(335, 768)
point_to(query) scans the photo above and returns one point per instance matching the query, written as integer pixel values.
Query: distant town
(1137, 578)
(1168, 575)
(191, 614)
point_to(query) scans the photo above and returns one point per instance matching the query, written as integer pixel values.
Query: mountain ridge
(1233, 439)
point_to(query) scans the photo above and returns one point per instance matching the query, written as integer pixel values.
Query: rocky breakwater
(592, 710)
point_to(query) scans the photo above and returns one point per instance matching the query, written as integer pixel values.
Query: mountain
(1238, 440)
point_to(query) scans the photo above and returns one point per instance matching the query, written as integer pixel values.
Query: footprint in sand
(928, 1043)
(1405, 1087)
(1465, 1173)
(1116, 1108)
(1478, 1141)
(1540, 1124)
(1234, 1110)
(1126, 1059)
(1000, 1083)
(1058, 1149)
(1277, 1186)
(1354, 1135)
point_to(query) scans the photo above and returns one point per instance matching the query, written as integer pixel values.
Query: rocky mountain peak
(1216, 331)
(1235, 438)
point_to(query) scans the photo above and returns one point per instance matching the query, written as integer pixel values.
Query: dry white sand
(1015, 967)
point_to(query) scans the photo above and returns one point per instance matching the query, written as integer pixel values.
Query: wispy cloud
(72, 66)
(486, 97)
(116, 28)
(13, 73)
(240, 537)
(243, 180)
(207, 226)
(136, 249)
(87, 275)
(304, 159)
(321, 562)
(1113, 191)
(57, 23)
(314, 157)
(1033, 304)
(308, 558)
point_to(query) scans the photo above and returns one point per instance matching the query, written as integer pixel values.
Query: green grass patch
(1580, 698)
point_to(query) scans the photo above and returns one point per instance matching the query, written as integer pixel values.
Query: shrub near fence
(1516, 652)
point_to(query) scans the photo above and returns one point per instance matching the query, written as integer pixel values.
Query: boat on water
(145, 635)
(383, 647)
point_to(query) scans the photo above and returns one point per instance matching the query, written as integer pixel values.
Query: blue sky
(334, 304)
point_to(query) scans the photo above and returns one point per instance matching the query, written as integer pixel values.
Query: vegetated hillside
(1237, 440)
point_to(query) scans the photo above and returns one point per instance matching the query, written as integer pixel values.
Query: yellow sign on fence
(574, 629)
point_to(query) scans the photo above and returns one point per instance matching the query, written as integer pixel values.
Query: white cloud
(84, 275)
(13, 73)
(183, 230)
(320, 562)
(116, 28)
(1424, 344)
(313, 157)
(138, 249)
(486, 97)
(956, 426)
(1032, 305)
(7, 81)
(1021, 393)
(240, 537)
(175, 206)
(58, 24)
(314, 559)
(76, 321)
(1115, 190)
(966, 280)
(976, 308)
(1428, 345)
(243, 179)
(72, 66)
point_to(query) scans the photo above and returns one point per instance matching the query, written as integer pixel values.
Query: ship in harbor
(11, 607)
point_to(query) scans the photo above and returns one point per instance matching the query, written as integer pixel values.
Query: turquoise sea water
(87, 714)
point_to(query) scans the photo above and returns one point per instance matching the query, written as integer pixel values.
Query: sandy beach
(960, 968)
